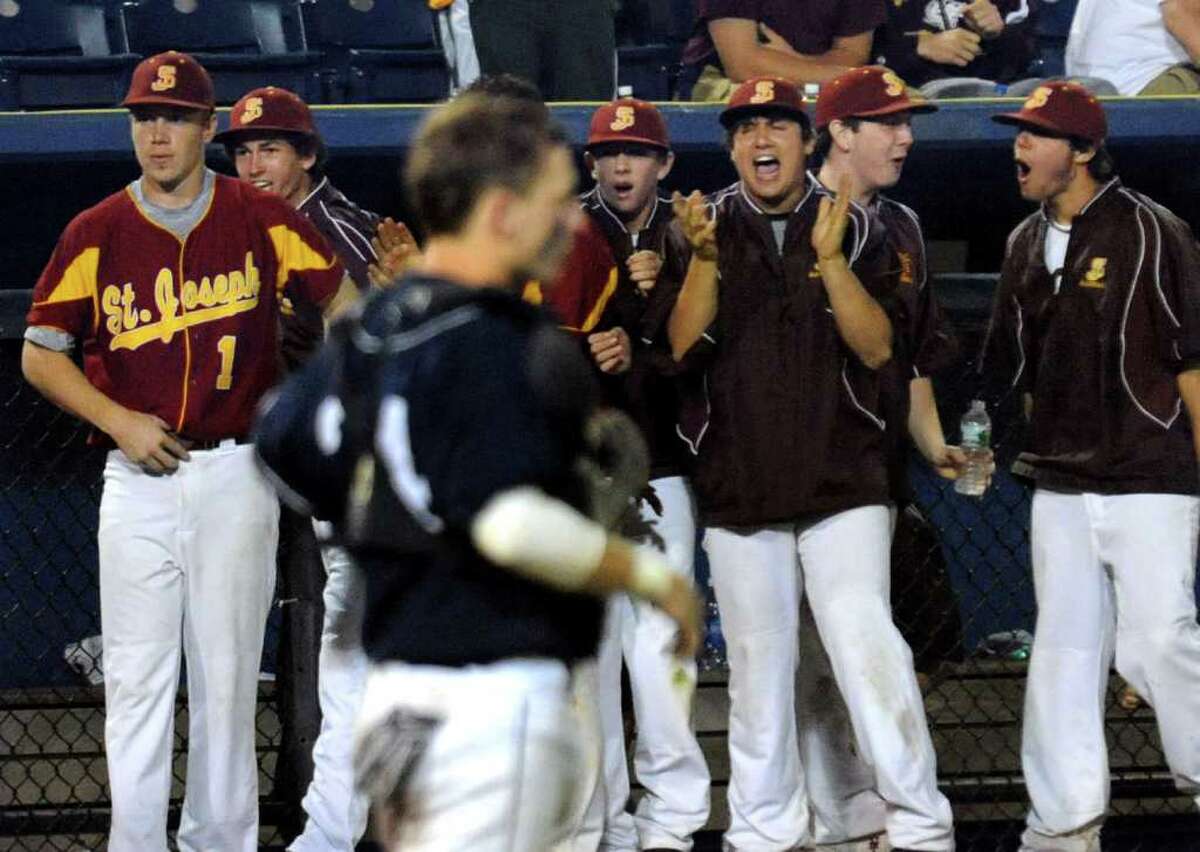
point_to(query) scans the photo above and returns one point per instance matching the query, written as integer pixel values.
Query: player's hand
(397, 251)
(953, 47)
(644, 267)
(683, 606)
(611, 350)
(699, 230)
(149, 443)
(984, 18)
(833, 215)
(950, 462)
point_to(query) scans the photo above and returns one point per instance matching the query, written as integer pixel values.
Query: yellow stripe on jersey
(293, 254)
(532, 293)
(78, 280)
(610, 287)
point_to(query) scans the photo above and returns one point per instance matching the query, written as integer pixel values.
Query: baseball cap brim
(160, 100)
(892, 109)
(1023, 119)
(733, 115)
(617, 139)
(234, 133)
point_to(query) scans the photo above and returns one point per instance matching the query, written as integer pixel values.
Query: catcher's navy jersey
(402, 428)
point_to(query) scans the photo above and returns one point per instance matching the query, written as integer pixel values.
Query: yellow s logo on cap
(894, 86)
(165, 79)
(1039, 98)
(252, 110)
(624, 118)
(764, 92)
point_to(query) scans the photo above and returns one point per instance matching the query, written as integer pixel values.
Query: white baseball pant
(500, 771)
(844, 804)
(667, 758)
(841, 561)
(337, 813)
(192, 552)
(1110, 572)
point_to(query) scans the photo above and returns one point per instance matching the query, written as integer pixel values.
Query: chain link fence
(53, 783)
(961, 589)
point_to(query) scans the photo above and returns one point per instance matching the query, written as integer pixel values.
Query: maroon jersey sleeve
(586, 283)
(305, 264)
(859, 16)
(926, 341)
(1177, 276)
(710, 10)
(1003, 363)
(65, 297)
(677, 254)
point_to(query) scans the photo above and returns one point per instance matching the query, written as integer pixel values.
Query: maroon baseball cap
(628, 120)
(171, 79)
(1067, 109)
(268, 109)
(764, 96)
(868, 92)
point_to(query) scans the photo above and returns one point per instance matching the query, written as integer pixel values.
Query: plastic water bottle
(976, 438)
(712, 656)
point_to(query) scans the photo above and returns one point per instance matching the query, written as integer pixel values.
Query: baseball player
(628, 153)
(274, 145)
(864, 135)
(1097, 322)
(452, 477)
(790, 473)
(173, 288)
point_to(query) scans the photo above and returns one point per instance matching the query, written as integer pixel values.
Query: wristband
(528, 532)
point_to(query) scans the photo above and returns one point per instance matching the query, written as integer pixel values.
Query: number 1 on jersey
(226, 346)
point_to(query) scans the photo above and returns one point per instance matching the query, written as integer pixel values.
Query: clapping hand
(698, 229)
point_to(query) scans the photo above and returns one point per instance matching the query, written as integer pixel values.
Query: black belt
(215, 443)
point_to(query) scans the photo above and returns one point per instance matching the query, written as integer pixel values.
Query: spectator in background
(454, 27)
(802, 41)
(1143, 47)
(951, 48)
(566, 48)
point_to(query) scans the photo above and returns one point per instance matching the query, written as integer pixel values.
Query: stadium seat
(1052, 28)
(384, 51)
(244, 44)
(650, 37)
(55, 53)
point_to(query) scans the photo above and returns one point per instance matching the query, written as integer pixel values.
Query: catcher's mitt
(615, 466)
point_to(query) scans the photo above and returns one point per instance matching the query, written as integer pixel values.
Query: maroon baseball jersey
(893, 255)
(348, 228)
(647, 391)
(586, 282)
(784, 418)
(185, 330)
(1099, 346)
(809, 26)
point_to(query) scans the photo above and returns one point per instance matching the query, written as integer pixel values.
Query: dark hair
(1102, 166)
(805, 126)
(469, 145)
(304, 145)
(504, 86)
(825, 138)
